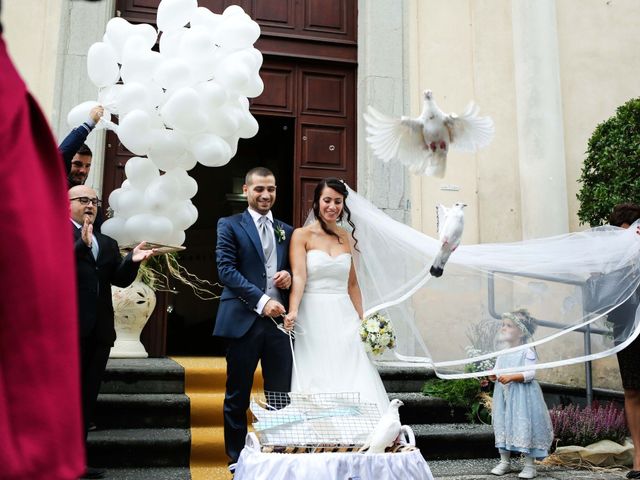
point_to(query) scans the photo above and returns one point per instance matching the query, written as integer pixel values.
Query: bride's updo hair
(340, 187)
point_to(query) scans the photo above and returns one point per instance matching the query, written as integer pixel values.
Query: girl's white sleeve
(529, 359)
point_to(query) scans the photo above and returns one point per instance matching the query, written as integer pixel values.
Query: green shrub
(611, 171)
(469, 393)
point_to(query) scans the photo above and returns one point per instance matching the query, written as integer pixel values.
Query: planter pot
(132, 307)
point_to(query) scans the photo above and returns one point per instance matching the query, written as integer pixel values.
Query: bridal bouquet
(377, 334)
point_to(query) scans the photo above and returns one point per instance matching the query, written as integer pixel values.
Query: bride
(326, 304)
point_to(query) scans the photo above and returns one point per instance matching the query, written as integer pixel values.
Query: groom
(252, 255)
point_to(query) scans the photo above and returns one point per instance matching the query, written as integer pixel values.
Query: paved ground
(480, 469)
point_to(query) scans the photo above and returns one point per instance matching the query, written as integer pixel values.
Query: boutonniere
(280, 233)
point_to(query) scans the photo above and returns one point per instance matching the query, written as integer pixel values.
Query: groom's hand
(282, 279)
(273, 308)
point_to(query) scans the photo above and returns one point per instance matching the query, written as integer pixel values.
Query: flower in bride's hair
(377, 334)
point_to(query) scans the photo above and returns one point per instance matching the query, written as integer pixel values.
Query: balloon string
(291, 334)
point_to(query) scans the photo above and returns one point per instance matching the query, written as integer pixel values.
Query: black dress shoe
(91, 472)
(633, 474)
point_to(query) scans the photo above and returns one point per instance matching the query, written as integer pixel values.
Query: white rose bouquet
(377, 334)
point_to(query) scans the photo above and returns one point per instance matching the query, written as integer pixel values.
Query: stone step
(420, 409)
(442, 441)
(182, 473)
(403, 379)
(144, 410)
(143, 375)
(139, 447)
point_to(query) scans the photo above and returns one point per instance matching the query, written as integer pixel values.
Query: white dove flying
(386, 431)
(422, 143)
(450, 228)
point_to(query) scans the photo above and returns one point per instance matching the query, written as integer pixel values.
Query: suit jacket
(241, 269)
(94, 278)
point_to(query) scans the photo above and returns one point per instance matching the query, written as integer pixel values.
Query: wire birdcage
(313, 421)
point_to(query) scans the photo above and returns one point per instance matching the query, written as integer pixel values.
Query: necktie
(94, 247)
(266, 237)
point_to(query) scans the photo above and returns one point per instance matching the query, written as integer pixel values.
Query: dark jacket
(95, 308)
(241, 269)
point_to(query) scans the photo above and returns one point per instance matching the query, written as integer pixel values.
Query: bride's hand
(290, 320)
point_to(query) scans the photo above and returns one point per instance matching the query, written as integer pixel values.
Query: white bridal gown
(329, 354)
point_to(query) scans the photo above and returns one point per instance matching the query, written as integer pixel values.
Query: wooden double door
(309, 73)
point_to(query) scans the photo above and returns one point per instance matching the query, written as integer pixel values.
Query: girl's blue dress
(521, 421)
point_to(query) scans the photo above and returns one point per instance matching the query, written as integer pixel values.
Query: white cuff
(263, 301)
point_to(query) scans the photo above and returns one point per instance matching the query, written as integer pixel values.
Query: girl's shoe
(528, 472)
(502, 468)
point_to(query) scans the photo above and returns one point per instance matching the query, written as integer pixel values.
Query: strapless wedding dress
(329, 354)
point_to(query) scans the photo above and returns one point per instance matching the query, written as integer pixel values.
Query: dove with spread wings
(422, 143)
(450, 228)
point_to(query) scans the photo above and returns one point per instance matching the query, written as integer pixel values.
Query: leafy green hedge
(611, 171)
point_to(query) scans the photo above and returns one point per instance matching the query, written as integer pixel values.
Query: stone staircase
(142, 421)
(148, 428)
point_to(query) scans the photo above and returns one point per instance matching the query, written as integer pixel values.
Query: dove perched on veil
(422, 143)
(386, 431)
(450, 228)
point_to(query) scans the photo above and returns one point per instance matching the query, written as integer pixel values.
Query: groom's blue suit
(243, 272)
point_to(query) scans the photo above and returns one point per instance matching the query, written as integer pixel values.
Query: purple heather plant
(573, 425)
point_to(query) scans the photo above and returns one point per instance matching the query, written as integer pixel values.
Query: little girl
(521, 421)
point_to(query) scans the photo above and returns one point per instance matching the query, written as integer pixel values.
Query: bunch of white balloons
(182, 105)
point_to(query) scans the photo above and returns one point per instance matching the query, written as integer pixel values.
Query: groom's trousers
(265, 343)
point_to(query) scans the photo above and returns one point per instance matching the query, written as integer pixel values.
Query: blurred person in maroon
(40, 411)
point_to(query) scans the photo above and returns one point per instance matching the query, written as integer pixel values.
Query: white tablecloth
(255, 465)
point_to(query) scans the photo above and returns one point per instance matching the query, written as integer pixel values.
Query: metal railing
(587, 330)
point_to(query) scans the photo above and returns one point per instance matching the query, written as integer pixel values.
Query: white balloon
(146, 31)
(116, 34)
(173, 14)
(102, 65)
(232, 74)
(130, 203)
(196, 42)
(170, 43)
(132, 96)
(167, 146)
(160, 195)
(254, 87)
(80, 113)
(134, 132)
(115, 228)
(126, 185)
(194, 212)
(212, 94)
(139, 65)
(150, 228)
(188, 186)
(186, 161)
(114, 198)
(232, 10)
(182, 215)
(140, 172)
(108, 97)
(177, 238)
(203, 17)
(225, 121)
(248, 126)
(233, 143)
(210, 150)
(173, 73)
(184, 111)
(237, 32)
